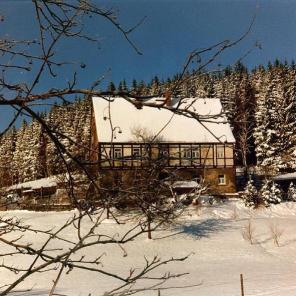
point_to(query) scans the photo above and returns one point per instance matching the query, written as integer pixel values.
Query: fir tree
(270, 193)
(291, 192)
(111, 87)
(120, 87)
(124, 86)
(251, 196)
(134, 86)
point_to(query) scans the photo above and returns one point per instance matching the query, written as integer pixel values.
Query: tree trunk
(149, 229)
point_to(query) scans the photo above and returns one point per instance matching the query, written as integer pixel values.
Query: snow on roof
(185, 184)
(289, 176)
(44, 182)
(126, 121)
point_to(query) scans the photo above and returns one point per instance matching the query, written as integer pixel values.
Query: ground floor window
(221, 179)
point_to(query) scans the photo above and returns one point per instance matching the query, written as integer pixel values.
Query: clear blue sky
(172, 29)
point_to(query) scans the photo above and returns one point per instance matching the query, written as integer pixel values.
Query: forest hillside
(260, 104)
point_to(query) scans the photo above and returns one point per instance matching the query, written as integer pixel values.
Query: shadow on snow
(205, 228)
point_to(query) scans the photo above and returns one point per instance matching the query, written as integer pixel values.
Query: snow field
(212, 235)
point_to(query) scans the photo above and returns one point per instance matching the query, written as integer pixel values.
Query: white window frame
(221, 179)
(186, 153)
(195, 154)
(191, 153)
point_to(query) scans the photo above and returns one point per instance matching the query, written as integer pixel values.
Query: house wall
(210, 175)
(174, 155)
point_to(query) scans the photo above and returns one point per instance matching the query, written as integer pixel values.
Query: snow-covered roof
(289, 176)
(126, 121)
(185, 184)
(44, 182)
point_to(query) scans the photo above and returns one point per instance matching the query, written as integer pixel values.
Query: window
(191, 153)
(136, 151)
(195, 152)
(117, 153)
(163, 152)
(187, 153)
(220, 152)
(221, 180)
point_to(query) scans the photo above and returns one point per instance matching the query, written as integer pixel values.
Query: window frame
(115, 151)
(220, 152)
(138, 153)
(221, 179)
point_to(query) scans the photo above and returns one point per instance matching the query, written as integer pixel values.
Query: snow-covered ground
(214, 237)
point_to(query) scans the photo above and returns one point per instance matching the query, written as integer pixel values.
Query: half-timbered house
(197, 146)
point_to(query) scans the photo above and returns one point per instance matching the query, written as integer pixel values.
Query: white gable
(126, 119)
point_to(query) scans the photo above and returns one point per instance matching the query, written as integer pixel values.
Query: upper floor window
(220, 152)
(136, 151)
(191, 152)
(195, 152)
(117, 152)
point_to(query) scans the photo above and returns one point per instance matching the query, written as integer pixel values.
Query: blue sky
(172, 29)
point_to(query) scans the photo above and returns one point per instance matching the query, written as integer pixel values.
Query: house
(132, 136)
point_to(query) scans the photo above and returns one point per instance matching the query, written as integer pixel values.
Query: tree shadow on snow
(205, 228)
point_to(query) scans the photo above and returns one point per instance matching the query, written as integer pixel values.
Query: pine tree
(292, 192)
(7, 147)
(134, 86)
(111, 87)
(124, 86)
(120, 88)
(251, 196)
(270, 193)
(19, 154)
(141, 88)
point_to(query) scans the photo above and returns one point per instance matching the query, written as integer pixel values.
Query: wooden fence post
(242, 285)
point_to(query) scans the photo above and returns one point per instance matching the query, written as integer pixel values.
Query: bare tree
(57, 21)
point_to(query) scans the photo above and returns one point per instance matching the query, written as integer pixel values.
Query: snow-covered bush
(292, 192)
(250, 196)
(270, 193)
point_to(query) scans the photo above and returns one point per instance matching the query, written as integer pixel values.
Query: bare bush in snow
(276, 232)
(248, 232)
